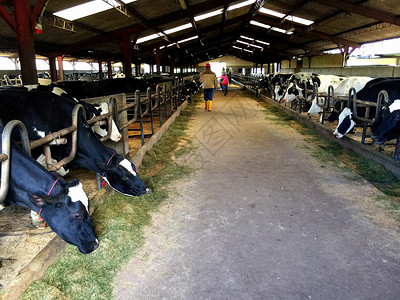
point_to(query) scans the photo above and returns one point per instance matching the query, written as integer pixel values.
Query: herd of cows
(352, 101)
(45, 110)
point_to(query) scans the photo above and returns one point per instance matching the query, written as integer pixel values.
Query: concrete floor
(261, 218)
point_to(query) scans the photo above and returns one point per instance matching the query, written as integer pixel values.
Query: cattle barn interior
(177, 38)
(190, 32)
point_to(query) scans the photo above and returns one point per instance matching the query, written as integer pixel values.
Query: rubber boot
(206, 105)
(209, 105)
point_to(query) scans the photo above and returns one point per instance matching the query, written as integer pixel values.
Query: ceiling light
(261, 42)
(260, 24)
(208, 15)
(290, 30)
(247, 38)
(85, 9)
(239, 5)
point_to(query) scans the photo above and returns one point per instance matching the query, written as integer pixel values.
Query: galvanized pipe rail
(6, 153)
(367, 120)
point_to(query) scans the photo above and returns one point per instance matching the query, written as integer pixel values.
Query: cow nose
(93, 246)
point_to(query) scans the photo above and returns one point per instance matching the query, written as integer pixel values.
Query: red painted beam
(26, 46)
(127, 57)
(6, 16)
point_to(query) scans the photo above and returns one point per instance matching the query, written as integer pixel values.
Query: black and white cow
(278, 83)
(43, 111)
(389, 127)
(342, 89)
(95, 110)
(322, 81)
(368, 93)
(63, 206)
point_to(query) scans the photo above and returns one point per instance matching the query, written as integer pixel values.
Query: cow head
(293, 92)
(278, 92)
(101, 130)
(67, 214)
(346, 123)
(314, 109)
(121, 175)
(388, 127)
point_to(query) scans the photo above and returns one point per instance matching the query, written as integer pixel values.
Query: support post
(53, 69)
(26, 46)
(158, 60)
(101, 74)
(109, 69)
(172, 65)
(60, 68)
(127, 57)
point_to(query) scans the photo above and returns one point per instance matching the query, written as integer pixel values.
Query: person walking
(224, 83)
(210, 83)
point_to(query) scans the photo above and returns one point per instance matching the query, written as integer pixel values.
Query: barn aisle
(261, 218)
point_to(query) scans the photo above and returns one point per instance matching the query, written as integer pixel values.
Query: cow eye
(78, 217)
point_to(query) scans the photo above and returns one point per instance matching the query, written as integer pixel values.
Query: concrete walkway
(261, 218)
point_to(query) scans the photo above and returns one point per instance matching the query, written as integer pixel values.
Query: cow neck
(104, 173)
(52, 187)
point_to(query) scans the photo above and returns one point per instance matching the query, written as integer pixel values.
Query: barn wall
(231, 62)
(332, 64)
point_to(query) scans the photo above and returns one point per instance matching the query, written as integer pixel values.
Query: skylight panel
(247, 38)
(271, 12)
(299, 20)
(280, 30)
(262, 42)
(281, 15)
(188, 39)
(242, 42)
(149, 37)
(239, 5)
(270, 27)
(178, 28)
(242, 49)
(208, 15)
(250, 45)
(260, 24)
(86, 9)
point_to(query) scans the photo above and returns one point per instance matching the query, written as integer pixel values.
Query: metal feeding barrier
(139, 107)
(55, 138)
(6, 153)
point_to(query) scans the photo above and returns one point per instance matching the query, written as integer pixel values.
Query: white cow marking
(31, 86)
(115, 134)
(58, 91)
(395, 105)
(128, 165)
(42, 134)
(345, 113)
(77, 194)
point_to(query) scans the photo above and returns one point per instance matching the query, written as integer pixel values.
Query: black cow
(92, 89)
(63, 206)
(388, 129)
(43, 112)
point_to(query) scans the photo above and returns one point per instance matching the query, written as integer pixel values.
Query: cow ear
(74, 182)
(38, 201)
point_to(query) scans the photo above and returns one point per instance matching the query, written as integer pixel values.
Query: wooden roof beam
(362, 10)
(304, 30)
(294, 9)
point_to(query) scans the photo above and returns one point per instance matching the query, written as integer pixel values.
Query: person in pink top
(224, 83)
